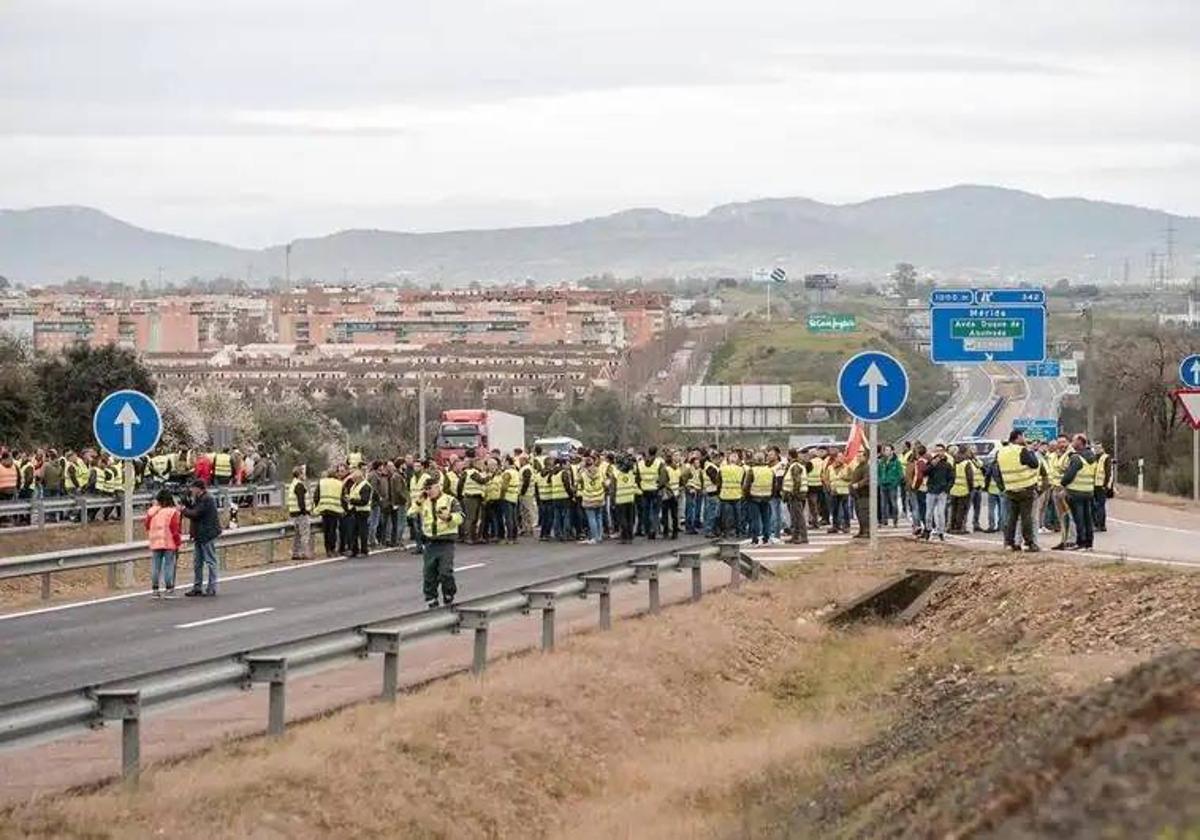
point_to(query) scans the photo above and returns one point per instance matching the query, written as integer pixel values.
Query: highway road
(959, 416)
(59, 649)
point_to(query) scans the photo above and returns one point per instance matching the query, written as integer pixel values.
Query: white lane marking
(221, 618)
(227, 579)
(1156, 527)
(469, 567)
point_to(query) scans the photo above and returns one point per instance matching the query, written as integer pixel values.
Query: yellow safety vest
(293, 501)
(709, 485)
(695, 479)
(355, 497)
(491, 490)
(355, 460)
(513, 492)
(1085, 479)
(160, 465)
(416, 484)
(330, 491)
(451, 477)
(223, 465)
(558, 487)
(542, 482)
(1016, 475)
(434, 528)
(626, 487)
(839, 479)
(959, 488)
(648, 475)
(471, 486)
(592, 488)
(674, 477)
(731, 482)
(1101, 469)
(762, 480)
(790, 484)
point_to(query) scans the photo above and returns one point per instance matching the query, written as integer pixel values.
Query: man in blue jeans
(206, 527)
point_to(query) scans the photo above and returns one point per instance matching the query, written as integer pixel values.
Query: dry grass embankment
(741, 716)
(20, 593)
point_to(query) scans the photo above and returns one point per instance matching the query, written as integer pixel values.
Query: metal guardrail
(112, 556)
(126, 700)
(83, 509)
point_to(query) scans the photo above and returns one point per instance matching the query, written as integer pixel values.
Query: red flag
(856, 442)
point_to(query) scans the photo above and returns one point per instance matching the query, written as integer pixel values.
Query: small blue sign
(873, 386)
(1043, 370)
(127, 424)
(951, 297)
(1037, 428)
(1030, 297)
(1189, 371)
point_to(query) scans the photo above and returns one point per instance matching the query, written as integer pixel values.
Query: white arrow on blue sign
(873, 386)
(1189, 371)
(127, 424)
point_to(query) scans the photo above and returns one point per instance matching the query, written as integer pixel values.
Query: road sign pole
(873, 485)
(769, 302)
(1196, 466)
(127, 521)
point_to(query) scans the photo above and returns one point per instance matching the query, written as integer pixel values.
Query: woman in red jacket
(163, 528)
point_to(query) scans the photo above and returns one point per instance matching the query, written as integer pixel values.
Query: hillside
(964, 230)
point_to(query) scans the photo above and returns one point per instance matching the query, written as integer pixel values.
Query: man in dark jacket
(939, 478)
(1079, 480)
(206, 527)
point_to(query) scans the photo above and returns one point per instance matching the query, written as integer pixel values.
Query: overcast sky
(257, 121)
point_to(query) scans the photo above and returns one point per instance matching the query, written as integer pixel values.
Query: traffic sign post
(127, 425)
(775, 276)
(873, 387)
(987, 325)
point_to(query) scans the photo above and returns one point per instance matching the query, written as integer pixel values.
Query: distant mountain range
(967, 231)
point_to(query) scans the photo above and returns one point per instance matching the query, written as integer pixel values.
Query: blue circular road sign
(873, 386)
(127, 424)
(1189, 371)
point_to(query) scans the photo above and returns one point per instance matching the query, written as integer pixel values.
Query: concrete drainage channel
(901, 598)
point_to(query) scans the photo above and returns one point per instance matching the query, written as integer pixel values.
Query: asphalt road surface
(62, 649)
(1136, 532)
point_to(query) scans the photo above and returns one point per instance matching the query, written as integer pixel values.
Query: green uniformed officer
(441, 516)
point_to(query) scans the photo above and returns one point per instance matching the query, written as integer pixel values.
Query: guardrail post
(544, 601)
(40, 511)
(112, 575)
(602, 586)
(731, 554)
(648, 572)
(125, 705)
(386, 642)
(273, 671)
(476, 620)
(83, 511)
(691, 560)
(45, 586)
(269, 552)
(222, 559)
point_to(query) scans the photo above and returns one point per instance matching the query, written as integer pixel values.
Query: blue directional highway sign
(873, 386)
(987, 325)
(1050, 369)
(1189, 371)
(127, 424)
(1037, 428)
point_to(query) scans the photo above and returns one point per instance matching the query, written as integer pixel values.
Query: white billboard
(735, 406)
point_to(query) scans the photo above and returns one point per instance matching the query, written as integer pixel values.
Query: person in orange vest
(165, 534)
